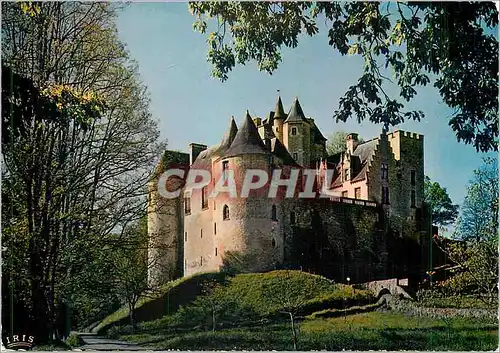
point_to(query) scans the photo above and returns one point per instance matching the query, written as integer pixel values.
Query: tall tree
(476, 251)
(446, 42)
(74, 178)
(443, 211)
(336, 143)
(479, 217)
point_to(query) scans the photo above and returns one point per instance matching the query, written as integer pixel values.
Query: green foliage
(337, 142)
(479, 218)
(416, 41)
(476, 252)
(444, 212)
(74, 341)
(78, 147)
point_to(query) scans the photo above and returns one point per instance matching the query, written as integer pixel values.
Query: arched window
(273, 213)
(294, 131)
(273, 243)
(225, 212)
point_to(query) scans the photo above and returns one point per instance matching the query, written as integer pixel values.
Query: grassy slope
(251, 290)
(368, 331)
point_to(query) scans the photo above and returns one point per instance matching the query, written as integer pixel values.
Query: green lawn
(253, 292)
(368, 331)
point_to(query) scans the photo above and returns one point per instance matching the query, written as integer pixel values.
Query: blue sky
(191, 106)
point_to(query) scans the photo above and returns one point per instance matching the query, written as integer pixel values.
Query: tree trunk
(132, 316)
(294, 333)
(213, 320)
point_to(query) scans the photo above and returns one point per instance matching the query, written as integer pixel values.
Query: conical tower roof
(247, 140)
(279, 112)
(296, 113)
(228, 138)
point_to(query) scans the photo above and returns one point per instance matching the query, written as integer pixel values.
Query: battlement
(407, 134)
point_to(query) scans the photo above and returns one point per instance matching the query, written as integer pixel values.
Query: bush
(74, 341)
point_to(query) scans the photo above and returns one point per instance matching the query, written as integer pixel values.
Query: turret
(297, 134)
(244, 222)
(278, 118)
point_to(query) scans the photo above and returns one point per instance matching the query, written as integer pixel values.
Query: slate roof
(279, 112)
(296, 113)
(247, 140)
(204, 159)
(280, 151)
(317, 135)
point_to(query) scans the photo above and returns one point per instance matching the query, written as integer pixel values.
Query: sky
(191, 106)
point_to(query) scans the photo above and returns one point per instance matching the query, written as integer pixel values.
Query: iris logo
(19, 342)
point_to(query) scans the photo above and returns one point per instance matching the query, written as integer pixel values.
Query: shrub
(74, 341)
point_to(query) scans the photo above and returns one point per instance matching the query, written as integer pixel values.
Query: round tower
(247, 236)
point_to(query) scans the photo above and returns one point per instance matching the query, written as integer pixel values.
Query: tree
(289, 298)
(418, 41)
(337, 144)
(475, 245)
(130, 267)
(443, 211)
(479, 218)
(73, 175)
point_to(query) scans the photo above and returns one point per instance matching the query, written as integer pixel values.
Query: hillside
(253, 295)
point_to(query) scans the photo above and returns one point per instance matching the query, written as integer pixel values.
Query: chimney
(351, 142)
(194, 150)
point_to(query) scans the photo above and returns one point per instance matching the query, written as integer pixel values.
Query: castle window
(413, 178)
(277, 128)
(225, 212)
(185, 236)
(273, 243)
(204, 198)
(385, 195)
(294, 131)
(295, 156)
(214, 205)
(215, 228)
(385, 171)
(201, 260)
(345, 194)
(413, 198)
(215, 251)
(292, 217)
(273, 213)
(185, 264)
(201, 233)
(225, 165)
(357, 193)
(346, 174)
(187, 205)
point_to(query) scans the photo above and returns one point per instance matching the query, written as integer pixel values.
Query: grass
(252, 291)
(375, 331)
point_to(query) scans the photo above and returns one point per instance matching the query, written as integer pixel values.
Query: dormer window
(294, 131)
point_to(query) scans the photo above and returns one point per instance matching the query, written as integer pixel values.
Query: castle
(373, 225)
